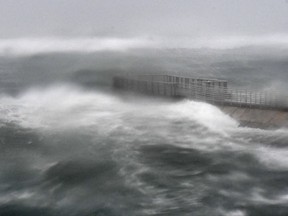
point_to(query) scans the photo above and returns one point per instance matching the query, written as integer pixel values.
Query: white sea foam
(235, 213)
(274, 158)
(57, 107)
(203, 113)
(19, 196)
(268, 146)
(67, 106)
(28, 46)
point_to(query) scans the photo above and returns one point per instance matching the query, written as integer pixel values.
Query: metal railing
(201, 89)
(237, 97)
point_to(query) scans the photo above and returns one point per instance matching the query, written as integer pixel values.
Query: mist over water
(71, 145)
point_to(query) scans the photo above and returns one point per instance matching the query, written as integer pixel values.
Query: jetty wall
(250, 108)
(257, 118)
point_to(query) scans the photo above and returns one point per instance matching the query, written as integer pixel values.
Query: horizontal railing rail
(212, 91)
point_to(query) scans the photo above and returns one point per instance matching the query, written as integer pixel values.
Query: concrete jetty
(260, 109)
(257, 118)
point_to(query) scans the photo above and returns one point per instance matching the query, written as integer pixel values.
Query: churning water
(76, 151)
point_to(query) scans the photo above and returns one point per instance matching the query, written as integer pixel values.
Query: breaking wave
(67, 149)
(70, 151)
(71, 106)
(30, 46)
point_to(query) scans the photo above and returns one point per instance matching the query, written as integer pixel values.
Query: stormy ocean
(70, 145)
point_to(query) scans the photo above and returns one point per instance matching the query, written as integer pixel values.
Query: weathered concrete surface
(258, 118)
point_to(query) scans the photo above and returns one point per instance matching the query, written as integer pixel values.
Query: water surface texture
(72, 146)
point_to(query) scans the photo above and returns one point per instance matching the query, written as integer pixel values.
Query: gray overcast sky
(114, 18)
